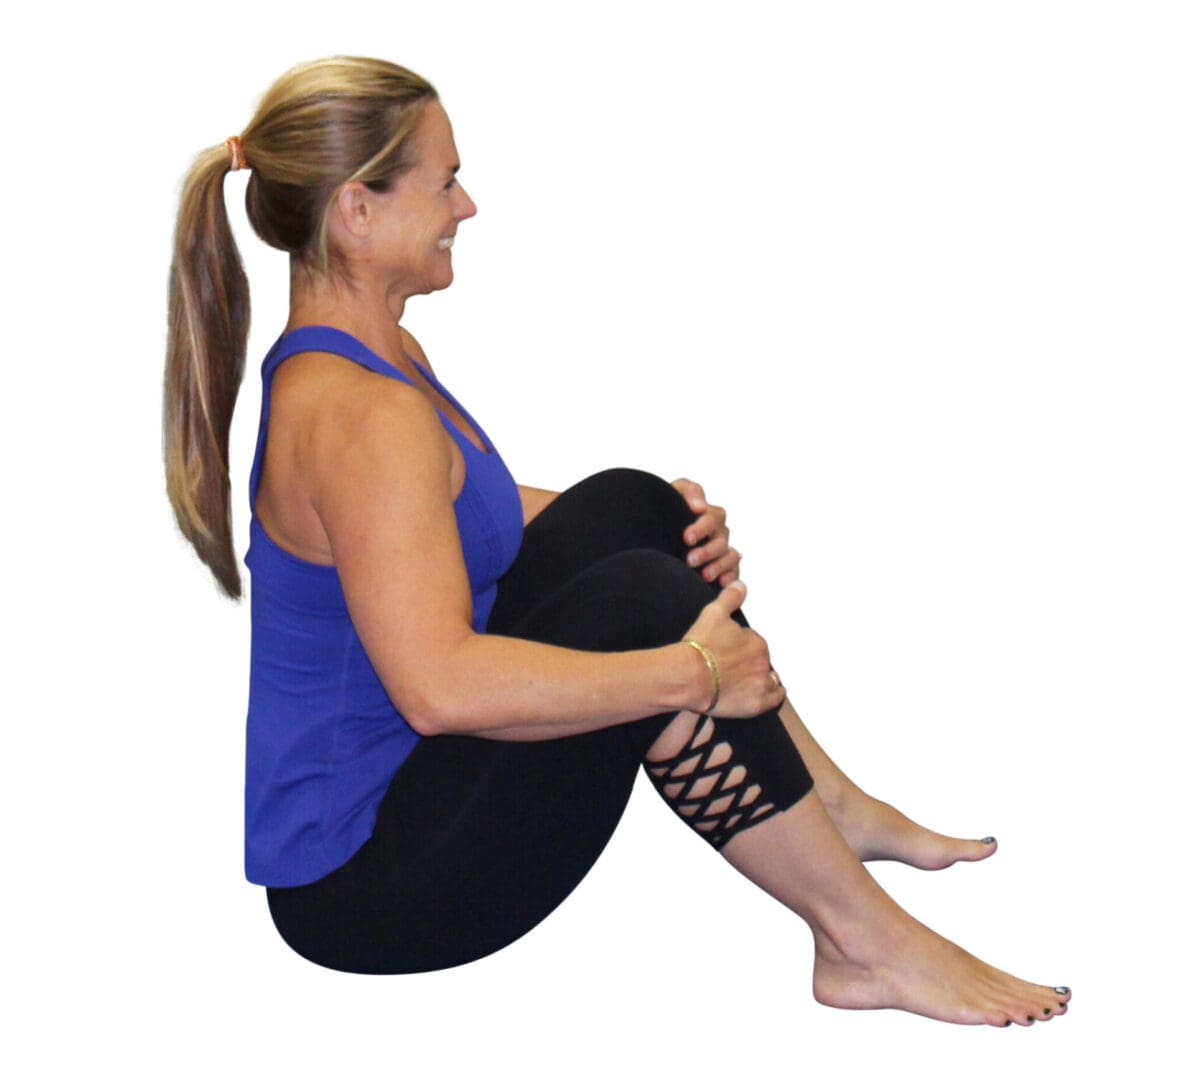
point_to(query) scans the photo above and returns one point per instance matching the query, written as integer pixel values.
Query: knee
(635, 484)
(659, 591)
(640, 497)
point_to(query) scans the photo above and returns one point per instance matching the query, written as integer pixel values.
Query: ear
(353, 209)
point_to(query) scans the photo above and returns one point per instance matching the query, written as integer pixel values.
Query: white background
(906, 285)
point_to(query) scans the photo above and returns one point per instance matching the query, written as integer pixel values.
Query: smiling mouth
(444, 243)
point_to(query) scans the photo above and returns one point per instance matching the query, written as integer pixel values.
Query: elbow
(427, 724)
(423, 724)
(435, 714)
(435, 698)
(425, 719)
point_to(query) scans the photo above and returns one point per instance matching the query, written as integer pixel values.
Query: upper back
(316, 404)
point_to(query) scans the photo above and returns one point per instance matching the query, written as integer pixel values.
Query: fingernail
(1062, 989)
(988, 840)
(692, 558)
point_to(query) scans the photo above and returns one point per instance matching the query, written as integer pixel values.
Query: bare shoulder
(347, 422)
(414, 349)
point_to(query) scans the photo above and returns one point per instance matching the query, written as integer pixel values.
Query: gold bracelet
(712, 663)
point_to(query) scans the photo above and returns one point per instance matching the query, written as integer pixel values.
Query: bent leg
(623, 509)
(477, 841)
(602, 515)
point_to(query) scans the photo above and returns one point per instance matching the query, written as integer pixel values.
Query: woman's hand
(708, 537)
(749, 685)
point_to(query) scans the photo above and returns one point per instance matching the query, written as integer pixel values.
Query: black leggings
(478, 840)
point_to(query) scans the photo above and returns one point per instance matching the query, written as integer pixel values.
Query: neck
(333, 300)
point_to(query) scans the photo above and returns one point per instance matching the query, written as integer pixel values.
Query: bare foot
(874, 830)
(870, 953)
(907, 966)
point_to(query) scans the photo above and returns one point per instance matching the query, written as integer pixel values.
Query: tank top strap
(325, 339)
(329, 340)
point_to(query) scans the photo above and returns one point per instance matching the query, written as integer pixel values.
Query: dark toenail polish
(988, 840)
(1046, 1011)
(1062, 989)
(1008, 1023)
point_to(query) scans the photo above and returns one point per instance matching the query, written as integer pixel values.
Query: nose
(466, 207)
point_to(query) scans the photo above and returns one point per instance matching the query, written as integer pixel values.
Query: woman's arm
(534, 501)
(381, 481)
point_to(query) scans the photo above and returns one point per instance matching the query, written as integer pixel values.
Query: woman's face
(420, 214)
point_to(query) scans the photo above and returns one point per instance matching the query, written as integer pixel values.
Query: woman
(446, 713)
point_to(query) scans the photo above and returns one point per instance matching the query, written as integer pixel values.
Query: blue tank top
(323, 739)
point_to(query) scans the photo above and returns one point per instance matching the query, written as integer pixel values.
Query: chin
(434, 284)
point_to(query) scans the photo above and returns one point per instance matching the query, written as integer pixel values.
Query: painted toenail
(1008, 1023)
(1062, 989)
(988, 840)
(1029, 1019)
(1046, 1011)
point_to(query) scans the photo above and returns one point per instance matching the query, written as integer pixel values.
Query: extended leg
(732, 782)
(873, 829)
(870, 953)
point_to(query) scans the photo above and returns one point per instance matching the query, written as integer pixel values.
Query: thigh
(476, 842)
(612, 511)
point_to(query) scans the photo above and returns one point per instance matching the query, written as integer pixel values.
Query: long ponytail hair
(320, 126)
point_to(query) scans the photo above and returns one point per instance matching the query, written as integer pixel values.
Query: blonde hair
(320, 126)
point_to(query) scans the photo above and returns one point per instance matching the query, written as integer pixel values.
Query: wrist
(715, 672)
(691, 683)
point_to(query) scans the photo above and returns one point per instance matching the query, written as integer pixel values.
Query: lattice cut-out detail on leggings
(679, 780)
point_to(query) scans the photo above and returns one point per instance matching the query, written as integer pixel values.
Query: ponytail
(321, 125)
(205, 360)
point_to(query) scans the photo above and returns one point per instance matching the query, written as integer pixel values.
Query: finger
(708, 553)
(714, 564)
(776, 691)
(730, 599)
(708, 524)
(719, 567)
(694, 494)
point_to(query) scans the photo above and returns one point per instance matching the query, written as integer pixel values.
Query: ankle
(842, 799)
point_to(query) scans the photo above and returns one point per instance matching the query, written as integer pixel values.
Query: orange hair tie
(236, 154)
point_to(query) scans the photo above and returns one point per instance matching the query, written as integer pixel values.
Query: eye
(450, 185)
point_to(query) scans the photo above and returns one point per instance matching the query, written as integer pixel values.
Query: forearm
(506, 688)
(534, 501)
